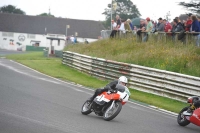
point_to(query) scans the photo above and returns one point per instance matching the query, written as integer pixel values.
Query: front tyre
(110, 114)
(181, 118)
(86, 108)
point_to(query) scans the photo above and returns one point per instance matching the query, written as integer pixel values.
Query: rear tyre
(181, 118)
(110, 114)
(86, 108)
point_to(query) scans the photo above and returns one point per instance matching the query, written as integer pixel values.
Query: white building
(19, 41)
(19, 31)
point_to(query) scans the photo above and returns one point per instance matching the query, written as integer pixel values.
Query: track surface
(34, 103)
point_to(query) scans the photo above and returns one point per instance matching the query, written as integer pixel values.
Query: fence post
(186, 38)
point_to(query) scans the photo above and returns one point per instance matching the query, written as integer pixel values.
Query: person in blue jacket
(195, 28)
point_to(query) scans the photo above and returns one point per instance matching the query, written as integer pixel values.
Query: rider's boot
(91, 98)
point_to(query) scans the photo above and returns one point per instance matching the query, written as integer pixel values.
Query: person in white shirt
(122, 27)
(114, 29)
(114, 24)
(72, 39)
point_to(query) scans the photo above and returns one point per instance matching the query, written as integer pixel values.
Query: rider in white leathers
(111, 86)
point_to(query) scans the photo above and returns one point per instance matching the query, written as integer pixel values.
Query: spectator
(161, 26)
(142, 24)
(75, 40)
(122, 28)
(86, 41)
(127, 26)
(198, 19)
(154, 26)
(68, 38)
(195, 24)
(72, 39)
(167, 25)
(118, 21)
(114, 29)
(149, 27)
(188, 23)
(167, 29)
(195, 28)
(130, 23)
(141, 28)
(177, 27)
(179, 21)
(135, 30)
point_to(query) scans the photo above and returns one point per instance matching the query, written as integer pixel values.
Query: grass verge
(55, 68)
(175, 57)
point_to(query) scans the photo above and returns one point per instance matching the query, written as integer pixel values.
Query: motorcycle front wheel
(181, 118)
(86, 108)
(110, 114)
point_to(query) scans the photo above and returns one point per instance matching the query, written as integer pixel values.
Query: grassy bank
(55, 68)
(176, 57)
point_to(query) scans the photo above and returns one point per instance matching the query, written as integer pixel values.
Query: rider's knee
(98, 91)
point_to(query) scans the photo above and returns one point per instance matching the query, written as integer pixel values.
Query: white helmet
(122, 79)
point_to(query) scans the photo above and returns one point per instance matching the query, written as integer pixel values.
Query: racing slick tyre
(86, 108)
(111, 113)
(182, 121)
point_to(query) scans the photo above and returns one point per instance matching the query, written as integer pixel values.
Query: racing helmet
(122, 80)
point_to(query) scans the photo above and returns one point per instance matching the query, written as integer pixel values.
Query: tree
(124, 8)
(193, 6)
(11, 9)
(46, 14)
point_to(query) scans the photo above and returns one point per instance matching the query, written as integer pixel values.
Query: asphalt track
(31, 102)
(7, 52)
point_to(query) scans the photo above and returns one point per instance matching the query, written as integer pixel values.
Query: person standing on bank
(114, 29)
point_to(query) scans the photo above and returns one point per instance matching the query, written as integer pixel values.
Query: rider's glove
(112, 91)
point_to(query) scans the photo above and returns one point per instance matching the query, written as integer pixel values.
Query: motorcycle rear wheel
(114, 111)
(86, 108)
(181, 119)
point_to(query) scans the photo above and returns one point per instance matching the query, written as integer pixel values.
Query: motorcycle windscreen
(195, 118)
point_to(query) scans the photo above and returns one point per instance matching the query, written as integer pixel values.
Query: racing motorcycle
(107, 104)
(185, 118)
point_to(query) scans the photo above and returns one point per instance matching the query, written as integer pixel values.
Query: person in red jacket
(188, 23)
(168, 27)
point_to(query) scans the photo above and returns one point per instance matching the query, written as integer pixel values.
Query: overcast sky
(92, 9)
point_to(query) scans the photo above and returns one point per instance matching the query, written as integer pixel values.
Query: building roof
(37, 24)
